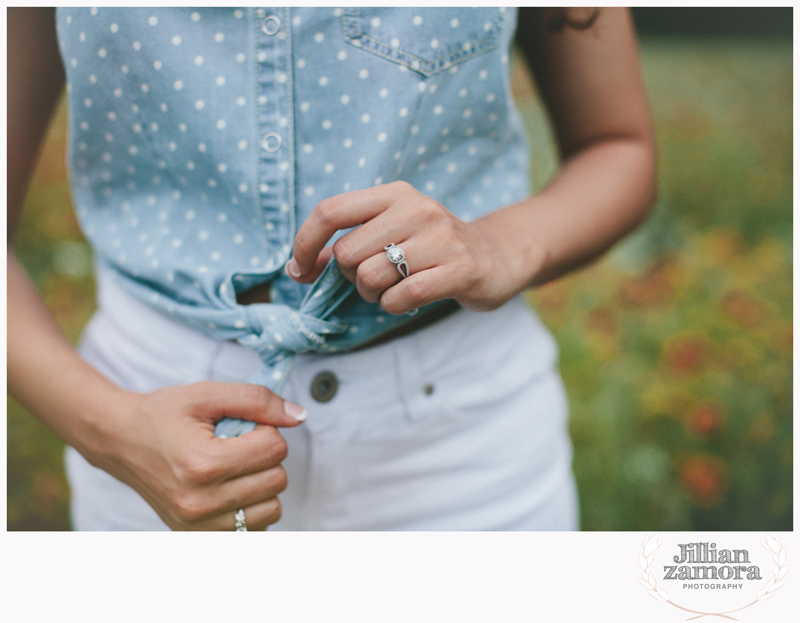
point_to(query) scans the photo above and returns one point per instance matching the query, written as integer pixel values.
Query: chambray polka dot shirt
(200, 139)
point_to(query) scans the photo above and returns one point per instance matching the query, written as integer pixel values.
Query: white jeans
(459, 426)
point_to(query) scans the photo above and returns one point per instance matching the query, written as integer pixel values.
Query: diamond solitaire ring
(241, 524)
(397, 256)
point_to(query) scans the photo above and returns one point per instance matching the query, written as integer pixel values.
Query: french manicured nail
(293, 268)
(295, 411)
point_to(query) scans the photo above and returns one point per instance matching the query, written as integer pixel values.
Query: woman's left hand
(447, 257)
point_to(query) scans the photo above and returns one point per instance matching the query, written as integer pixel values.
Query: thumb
(215, 400)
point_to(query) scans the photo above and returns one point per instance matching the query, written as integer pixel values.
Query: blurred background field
(676, 347)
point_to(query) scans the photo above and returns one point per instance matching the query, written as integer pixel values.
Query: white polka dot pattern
(201, 138)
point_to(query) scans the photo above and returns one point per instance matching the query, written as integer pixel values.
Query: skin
(162, 443)
(591, 83)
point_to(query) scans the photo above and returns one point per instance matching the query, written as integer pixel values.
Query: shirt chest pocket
(426, 40)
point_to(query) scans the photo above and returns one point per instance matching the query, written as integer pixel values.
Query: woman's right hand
(163, 445)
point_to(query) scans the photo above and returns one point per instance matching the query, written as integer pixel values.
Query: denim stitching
(426, 68)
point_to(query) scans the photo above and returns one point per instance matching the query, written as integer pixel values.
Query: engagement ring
(241, 524)
(397, 256)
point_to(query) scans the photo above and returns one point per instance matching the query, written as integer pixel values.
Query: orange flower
(601, 320)
(705, 419)
(742, 308)
(685, 354)
(657, 286)
(703, 478)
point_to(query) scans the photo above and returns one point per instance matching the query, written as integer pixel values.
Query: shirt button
(324, 386)
(271, 25)
(271, 142)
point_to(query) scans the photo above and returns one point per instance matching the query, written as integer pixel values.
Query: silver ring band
(397, 257)
(241, 524)
(402, 267)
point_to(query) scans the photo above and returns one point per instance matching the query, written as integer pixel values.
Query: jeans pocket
(483, 358)
(425, 40)
(464, 369)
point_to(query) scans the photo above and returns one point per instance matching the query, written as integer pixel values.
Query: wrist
(517, 257)
(101, 421)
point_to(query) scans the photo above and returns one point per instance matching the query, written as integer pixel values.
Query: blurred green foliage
(676, 347)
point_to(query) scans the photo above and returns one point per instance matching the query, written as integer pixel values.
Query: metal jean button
(271, 142)
(271, 25)
(324, 386)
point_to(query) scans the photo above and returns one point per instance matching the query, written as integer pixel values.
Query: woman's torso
(460, 426)
(201, 138)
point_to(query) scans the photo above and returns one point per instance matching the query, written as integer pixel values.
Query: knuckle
(417, 292)
(274, 511)
(190, 507)
(201, 470)
(326, 211)
(301, 247)
(258, 395)
(392, 304)
(344, 252)
(401, 186)
(430, 210)
(370, 276)
(200, 394)
(281, 480)
(418, 211)
(277, 448)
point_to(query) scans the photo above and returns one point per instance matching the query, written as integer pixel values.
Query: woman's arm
(162, 444)
(591, 83)
(592, 86)
(41, 361)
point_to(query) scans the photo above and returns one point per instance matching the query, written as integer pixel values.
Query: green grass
(676, 348)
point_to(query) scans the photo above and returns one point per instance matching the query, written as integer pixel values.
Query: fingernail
(295, 411)
(294, 268)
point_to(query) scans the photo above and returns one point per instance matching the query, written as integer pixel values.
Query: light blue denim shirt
(200, 139)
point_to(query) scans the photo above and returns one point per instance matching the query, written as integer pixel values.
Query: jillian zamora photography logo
(712, 578)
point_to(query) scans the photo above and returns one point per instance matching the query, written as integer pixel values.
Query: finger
(212, 401)
(259, 450)
(372, 238)
(250, 489)
(419, 289)
(341, 212)
(375, 275)
(257, 517)
(204, 503)
(322, 261)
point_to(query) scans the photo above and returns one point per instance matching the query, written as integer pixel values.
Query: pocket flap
(426, 40)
